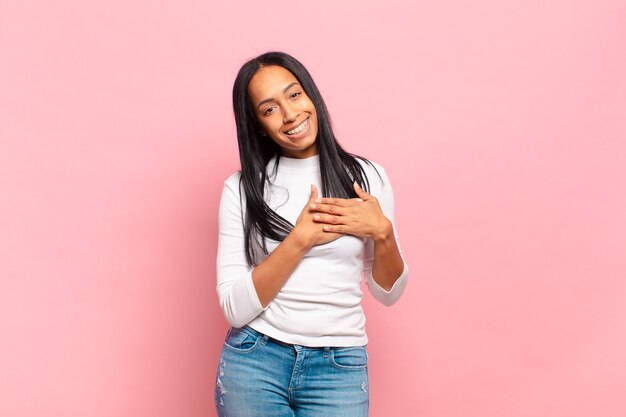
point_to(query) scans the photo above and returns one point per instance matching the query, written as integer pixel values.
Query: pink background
(501, 125)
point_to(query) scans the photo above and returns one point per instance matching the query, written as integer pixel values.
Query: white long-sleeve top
(320, 303)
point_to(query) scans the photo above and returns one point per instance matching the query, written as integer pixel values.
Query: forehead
(269, 82)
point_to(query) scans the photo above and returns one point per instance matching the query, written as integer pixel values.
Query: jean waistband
(280, 342)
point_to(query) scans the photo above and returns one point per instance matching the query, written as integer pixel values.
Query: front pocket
(240, 341)
(349, 357)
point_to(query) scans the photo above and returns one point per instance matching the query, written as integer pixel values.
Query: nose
(290, 114)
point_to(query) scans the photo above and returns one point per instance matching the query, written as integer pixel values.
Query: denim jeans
(259, 376)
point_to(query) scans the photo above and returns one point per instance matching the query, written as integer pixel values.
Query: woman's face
(285, 112)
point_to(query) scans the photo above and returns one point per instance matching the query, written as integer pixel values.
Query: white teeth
(298, 129)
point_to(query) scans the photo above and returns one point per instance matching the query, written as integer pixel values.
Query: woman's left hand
(361, 217)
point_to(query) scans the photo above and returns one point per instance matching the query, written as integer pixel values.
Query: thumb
(359, 191)
(313, 193)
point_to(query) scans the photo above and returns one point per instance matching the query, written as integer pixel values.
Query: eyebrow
(267, 100)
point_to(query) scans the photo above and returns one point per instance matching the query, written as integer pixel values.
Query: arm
(235, 289)
(385, 271)
(245, 292)
(372, 218)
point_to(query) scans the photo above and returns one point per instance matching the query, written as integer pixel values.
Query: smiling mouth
(298, 129)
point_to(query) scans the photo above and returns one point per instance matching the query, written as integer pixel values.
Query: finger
(313, 195)
(341, 202)
(335, 229)
(324, 218)
(359, 191)
(328, 208)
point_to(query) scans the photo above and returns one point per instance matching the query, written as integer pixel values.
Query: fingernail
(312, 206)
(318, 200)
(316, 217)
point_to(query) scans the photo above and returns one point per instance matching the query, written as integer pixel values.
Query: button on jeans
(258, 376)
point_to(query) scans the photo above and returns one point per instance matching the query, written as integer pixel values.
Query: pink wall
(501, 124)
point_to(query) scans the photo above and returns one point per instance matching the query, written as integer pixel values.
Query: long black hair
(338, 168)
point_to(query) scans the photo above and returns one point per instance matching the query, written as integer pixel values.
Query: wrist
(384, 232)
(299, 239)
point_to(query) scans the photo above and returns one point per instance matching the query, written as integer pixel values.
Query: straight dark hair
(338, 168)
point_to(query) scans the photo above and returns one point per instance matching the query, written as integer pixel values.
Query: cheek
(268, 124)
(314, 124)
(314, 114)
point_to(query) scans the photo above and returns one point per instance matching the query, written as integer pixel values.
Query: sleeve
(386, 201)
(235, 290)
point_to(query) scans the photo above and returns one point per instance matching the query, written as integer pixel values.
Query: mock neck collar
(299, 164)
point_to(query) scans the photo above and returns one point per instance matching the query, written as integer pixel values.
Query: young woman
(299, 225)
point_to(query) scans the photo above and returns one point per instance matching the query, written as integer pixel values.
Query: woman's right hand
(311, 232)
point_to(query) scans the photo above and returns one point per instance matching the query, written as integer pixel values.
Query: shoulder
(370, 166)
(231, 191)
(232, 182)
(375, 173)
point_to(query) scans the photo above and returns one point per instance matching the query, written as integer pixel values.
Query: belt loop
(265, 339)
(326, 351)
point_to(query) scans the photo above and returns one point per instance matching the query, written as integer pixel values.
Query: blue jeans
(259, 376)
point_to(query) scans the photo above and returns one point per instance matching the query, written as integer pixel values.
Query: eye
(268, 111)
(294, 94)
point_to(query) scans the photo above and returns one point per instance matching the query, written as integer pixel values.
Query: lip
(301, 134)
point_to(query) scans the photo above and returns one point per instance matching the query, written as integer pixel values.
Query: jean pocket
(349, 357)
(239, 340)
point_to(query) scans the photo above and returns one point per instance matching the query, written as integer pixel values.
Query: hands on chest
(325, 219)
